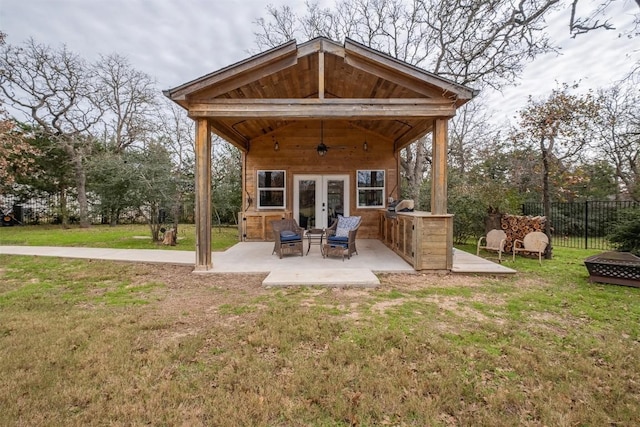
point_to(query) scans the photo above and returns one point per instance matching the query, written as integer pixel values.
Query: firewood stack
(517, 226)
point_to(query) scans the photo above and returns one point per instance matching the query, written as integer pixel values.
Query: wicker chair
(494, 241)
(337, 241)
(535, 242)
(287, 236)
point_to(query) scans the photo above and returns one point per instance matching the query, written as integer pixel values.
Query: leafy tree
(586, 181)
(112, 180)
(17, 153)
(559, 126)
(18, 156)
(155, 182)
(226, 182)
(468, 206)
(51, 172)
(493, 180)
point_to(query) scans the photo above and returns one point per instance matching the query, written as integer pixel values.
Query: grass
(94, 343)
(104, 236)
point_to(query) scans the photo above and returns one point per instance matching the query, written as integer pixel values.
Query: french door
(319, 199)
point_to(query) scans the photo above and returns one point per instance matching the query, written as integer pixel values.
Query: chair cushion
(338, 239)
(342, 241)
(289, 236)
(346, 224)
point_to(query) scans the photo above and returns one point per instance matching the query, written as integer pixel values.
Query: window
(371, 189)
(271, 189)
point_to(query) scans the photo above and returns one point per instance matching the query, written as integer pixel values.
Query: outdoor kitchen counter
(424, 240)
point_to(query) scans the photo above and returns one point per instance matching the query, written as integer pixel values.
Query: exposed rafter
(320, 80)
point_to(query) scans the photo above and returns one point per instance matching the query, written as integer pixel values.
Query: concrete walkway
(255, 257)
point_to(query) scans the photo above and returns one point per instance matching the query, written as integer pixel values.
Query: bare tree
(599, 17)
(281, 26)
(478, 42)
(481, 43)
(468, 131)
(55, 88)
(129, 98)
(560, 126)
(618, 127)
(176, 133)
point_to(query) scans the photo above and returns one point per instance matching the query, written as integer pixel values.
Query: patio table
(315, 236)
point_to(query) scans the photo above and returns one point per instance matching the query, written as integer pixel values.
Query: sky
(175, 41)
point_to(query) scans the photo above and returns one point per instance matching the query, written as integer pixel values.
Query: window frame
(382, 188)
(282, 189)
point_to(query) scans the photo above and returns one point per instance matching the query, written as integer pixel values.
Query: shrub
(626, 232)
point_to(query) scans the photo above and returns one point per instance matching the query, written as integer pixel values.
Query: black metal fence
(36, 210)
(46, 210)
(581, 224)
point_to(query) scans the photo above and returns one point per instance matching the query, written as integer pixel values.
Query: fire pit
(617, 268)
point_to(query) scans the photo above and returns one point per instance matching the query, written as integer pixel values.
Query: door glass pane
(335, 199)
(307, 194)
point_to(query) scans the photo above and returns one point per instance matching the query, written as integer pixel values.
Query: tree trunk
(64, 214)
(492, 222)
(81, 183)
(414, 168)
(170, 237)
(175, 213)
(83, 202)
(546, 198)
(113, 217)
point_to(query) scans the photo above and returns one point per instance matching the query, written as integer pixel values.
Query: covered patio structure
(320, 127)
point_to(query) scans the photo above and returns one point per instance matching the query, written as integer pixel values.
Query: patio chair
(287, 236)
(494, 241)
(341, 236)
(534, 242)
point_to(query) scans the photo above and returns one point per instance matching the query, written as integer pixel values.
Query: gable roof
(321, 79)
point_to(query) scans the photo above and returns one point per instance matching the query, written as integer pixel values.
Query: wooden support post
(439, 167)
(203, 195)
(321, 74)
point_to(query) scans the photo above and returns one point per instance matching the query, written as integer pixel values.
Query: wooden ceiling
(320, 80)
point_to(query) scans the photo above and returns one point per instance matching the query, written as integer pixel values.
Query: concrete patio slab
(256, 257)
(132, 255)
(339, 278)
(466, 263)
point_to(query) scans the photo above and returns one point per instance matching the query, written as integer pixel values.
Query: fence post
(586, 224)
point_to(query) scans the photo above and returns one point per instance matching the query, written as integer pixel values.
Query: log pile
(517, 226)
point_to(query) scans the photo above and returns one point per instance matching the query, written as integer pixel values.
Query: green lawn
(103, 343)
(104, 236)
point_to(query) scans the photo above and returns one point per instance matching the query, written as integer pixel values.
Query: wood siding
(297, 155)
(423, 240)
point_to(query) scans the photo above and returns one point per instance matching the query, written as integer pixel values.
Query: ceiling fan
(322, 148)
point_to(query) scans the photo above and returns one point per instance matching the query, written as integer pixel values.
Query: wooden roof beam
(330, 108)
(320, 44)
(268, 62)
(414, 78)
(413, 134)
(228, 133)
